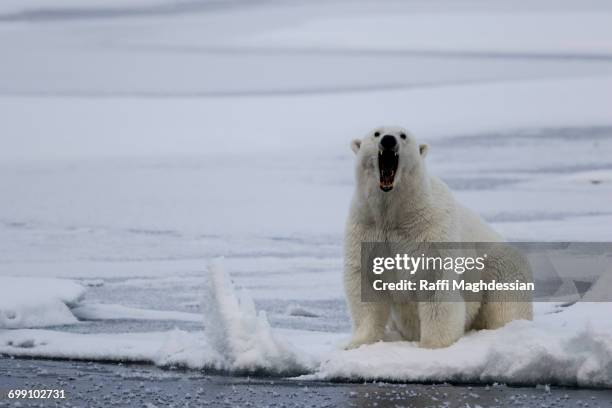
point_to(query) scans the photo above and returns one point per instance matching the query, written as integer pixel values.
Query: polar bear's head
(388, 157)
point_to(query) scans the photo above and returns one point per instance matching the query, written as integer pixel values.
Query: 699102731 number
(36, 394)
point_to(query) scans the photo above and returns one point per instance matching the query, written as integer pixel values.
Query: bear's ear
(355, 145)
(423, 150)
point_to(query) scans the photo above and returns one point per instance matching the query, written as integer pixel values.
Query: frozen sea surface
(139, 141)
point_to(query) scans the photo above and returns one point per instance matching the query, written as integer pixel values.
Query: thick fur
(419, 208)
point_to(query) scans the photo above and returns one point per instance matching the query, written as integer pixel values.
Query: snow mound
(573, 347)
(300, 311)
(241, 335)
(130, 347)
(98, 311)
(189, 350)
(37, 302)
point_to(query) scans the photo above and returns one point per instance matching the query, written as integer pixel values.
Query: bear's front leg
(369, 322)
(369, 319)
(442, 323)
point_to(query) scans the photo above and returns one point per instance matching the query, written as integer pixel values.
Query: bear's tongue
(387, 165)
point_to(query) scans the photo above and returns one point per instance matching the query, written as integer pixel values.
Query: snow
(148, 129)
(235, 338)
(592, 177)
(559, 347)
(94, 311)
(16, 6)
(37, 302)
(241, 334)
(141, 139)
(560, 32)
(134, 347)
(297, 310)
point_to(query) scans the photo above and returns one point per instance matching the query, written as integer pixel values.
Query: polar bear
(396, 200)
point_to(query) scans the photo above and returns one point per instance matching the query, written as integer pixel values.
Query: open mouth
(387, 165)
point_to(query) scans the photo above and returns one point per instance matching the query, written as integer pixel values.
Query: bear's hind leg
(499, 307)
(493, 315)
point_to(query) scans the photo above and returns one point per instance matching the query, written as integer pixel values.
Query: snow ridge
(37, 302)
(242, 335)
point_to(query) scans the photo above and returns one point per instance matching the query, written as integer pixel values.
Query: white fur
(419, 208)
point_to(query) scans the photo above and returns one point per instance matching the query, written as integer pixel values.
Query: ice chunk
(37, 302)
(297, 310)
(239, 333)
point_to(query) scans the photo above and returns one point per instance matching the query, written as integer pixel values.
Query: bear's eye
(403, 136)
(376, 134)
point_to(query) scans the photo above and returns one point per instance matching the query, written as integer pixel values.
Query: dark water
(116, 385)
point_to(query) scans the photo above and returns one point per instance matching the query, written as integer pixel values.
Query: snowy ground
(140, 140)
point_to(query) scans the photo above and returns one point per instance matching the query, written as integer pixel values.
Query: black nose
(388, 142)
